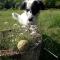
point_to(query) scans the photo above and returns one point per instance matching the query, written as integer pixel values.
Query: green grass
(6, 16)
(9, 39)
(7, 23)
(49, 23)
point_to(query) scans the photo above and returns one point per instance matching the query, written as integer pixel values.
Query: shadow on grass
(52, 49)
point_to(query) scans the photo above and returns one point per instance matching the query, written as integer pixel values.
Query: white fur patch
(23, 18)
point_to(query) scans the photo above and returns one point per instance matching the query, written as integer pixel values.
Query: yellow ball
(22, 45)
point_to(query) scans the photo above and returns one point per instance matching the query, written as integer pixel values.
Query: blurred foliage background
(7, 4)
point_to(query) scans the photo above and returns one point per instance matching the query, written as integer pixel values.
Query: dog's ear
(42, 5)
(15, 16)
(23, 6)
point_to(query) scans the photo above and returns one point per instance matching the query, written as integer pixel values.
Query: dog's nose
(31, 19)
(27, 10)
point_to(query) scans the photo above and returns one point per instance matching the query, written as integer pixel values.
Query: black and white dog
(33, 5)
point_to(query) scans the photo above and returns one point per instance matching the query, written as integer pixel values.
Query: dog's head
(33, 5)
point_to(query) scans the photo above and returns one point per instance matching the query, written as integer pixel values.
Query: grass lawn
(6, 20)
(48, 22)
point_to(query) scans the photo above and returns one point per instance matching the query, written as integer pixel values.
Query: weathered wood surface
(8, 52)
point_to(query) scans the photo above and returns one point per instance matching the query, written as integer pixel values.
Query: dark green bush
(1, 5)
(52, 3)
(9, 3)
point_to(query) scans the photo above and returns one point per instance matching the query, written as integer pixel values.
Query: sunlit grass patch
(6, 20)
(49, 22)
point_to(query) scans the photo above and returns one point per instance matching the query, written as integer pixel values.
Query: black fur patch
(23, 5)
(36, 6)
(31, 19)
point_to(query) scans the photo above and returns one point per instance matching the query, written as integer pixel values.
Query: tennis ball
(22, 45)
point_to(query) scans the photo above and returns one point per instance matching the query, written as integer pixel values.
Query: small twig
(51, 53)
